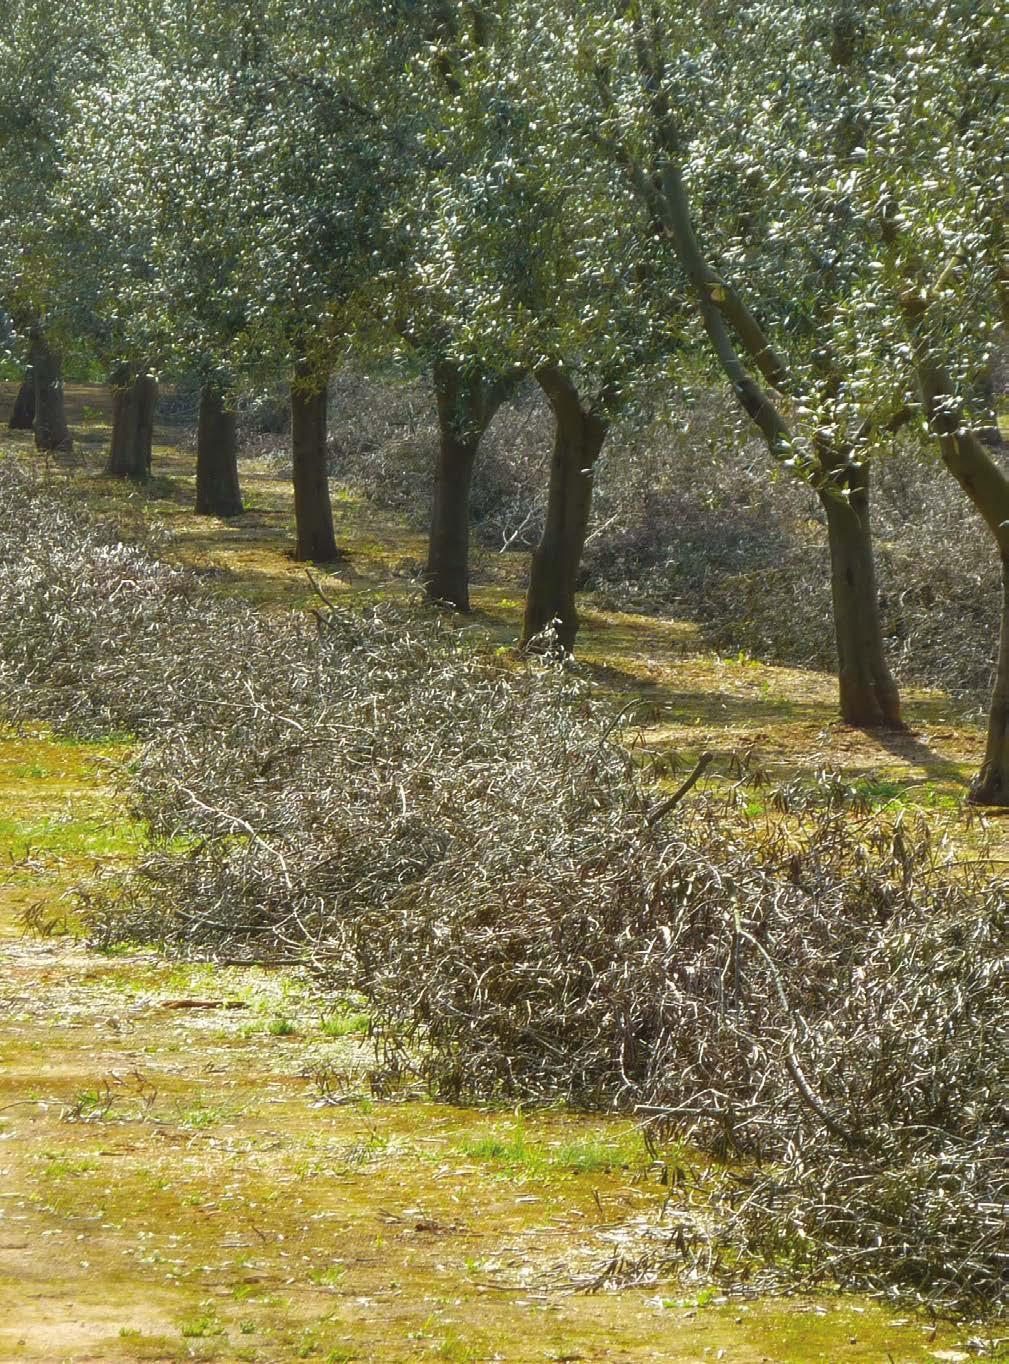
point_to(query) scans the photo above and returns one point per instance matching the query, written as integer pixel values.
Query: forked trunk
(51, 430)
(466, 405)
(868, 694)
(579, 434)
(313, 511)
(992, 784)
(22, 417)
(217, 489)
(134, 399)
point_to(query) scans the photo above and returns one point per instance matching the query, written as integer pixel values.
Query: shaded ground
(181, 1182)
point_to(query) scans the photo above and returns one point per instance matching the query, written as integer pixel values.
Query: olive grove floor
(191, 1166)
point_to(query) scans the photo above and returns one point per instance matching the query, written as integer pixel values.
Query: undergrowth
(690, 518)
(464, 842)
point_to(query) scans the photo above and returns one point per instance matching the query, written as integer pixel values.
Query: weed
(594, 1157)
(199, 1327)
(344, 1022)
(329, 1276)
(60, 1165)
(201, 1116)
(454, 1349)
(514, 1153)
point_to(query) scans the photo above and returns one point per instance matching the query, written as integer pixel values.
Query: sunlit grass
(514, 1152)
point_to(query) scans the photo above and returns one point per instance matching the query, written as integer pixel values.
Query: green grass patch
(201, 1326)
(66, 837)
(62, 1165)
(344, 1022)
(515, 1154)
(878, 792)
(328, 1276)
(201, 1116)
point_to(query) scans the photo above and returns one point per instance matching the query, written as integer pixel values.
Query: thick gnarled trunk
(217, 488)
(22, 415)
(579, 433)
(466, 404)
(51, 430)
(313, 511)
(134, 399)
(868, 694)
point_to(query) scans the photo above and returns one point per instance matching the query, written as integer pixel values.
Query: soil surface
(192, 1165)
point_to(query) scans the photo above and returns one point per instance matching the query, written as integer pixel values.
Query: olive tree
(511, 265)
(931, 189)
(47, 59)
(671, 94)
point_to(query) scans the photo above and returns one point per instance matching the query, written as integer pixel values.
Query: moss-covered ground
(191, 1165)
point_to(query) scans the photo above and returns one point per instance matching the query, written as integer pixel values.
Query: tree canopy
(805, 199)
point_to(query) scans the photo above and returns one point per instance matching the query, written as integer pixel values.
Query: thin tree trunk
(51, 430)
(579, 433)
(992, 784)
(446, 577)
(466, 404)
(313, 511)
(868, 693)
(134, 399)
(217, 489)
(22, 417)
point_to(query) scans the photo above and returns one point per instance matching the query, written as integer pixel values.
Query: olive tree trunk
(991, 786)
(579, 433)
(987, 486)
(868, 694)
(313, 511)
(466, 403)
(217, 488)
(22, 417)
(134, 399)
(51, 430)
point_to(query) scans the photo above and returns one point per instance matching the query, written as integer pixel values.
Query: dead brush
(466, 843)
(98, 636)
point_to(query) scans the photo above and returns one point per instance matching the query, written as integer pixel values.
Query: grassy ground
(191, 1166)
(686, 698)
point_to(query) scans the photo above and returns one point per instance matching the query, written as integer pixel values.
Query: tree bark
(134, 398)
(987, 486)
(991, 786)
(579, 433)
(51, 430)
(22, 417)
(217, 488)
(313, 511)
(466, 403)
(868, 694)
